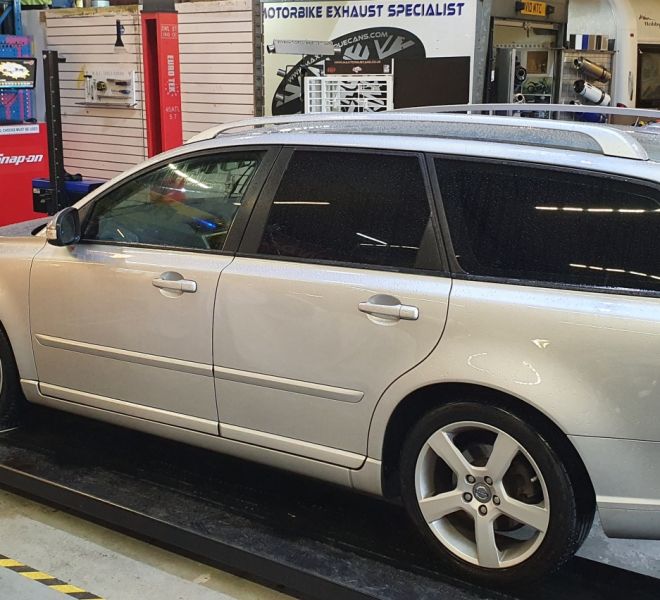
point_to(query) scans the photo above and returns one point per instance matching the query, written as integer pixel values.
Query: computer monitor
(17, 73)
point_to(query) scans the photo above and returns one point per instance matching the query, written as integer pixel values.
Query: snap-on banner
(23, 157)
(360, 30)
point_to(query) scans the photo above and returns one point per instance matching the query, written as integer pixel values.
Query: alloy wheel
(482, 494)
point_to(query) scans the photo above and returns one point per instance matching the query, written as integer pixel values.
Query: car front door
(122, 321)
(339, 288)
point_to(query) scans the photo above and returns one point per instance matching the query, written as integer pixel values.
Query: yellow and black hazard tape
(52, 582)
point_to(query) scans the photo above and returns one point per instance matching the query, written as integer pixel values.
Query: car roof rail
(612, 141)
(514, 109)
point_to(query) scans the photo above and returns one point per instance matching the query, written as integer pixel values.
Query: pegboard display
(110, 88)
(16, 105)
(570, 74)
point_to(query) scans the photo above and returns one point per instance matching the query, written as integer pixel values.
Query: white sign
(18, 129)
(304, 47)
(648, 20)
(360, 30)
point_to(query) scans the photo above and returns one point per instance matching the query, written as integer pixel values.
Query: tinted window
(186, 204)
(531, 223)
(348, 207)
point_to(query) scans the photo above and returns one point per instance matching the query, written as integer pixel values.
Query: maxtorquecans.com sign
(360, 30)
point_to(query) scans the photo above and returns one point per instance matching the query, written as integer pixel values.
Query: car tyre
(490, 494)
(13, 406)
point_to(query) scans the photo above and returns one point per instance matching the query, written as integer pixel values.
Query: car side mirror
(64, 229)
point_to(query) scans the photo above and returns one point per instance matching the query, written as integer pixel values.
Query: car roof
(500, 128)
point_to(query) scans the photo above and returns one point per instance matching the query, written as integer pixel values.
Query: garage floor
(103, 562)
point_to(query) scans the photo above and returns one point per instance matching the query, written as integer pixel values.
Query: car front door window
(189, 204)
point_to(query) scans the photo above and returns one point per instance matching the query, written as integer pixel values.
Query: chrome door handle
(399, 311)
(179, 285)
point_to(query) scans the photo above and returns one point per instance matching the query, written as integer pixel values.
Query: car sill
(253, 445)
(292, 446)
(129, 408)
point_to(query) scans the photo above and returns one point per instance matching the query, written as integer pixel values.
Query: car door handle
(399, 311)
(179, 285)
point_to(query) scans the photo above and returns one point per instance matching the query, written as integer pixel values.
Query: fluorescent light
(188, 178)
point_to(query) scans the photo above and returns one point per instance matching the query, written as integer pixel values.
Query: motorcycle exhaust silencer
(592, 93)
(593, 70)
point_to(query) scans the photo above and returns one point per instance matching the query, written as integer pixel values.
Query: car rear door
(339, 287)
(122, 321)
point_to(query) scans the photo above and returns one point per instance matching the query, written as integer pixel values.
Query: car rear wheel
(12, 402)
(489, 493)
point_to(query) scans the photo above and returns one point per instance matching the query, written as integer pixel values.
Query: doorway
(648, 76)
(524, 62)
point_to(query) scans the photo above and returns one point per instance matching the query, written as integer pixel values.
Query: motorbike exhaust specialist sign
(361, 31)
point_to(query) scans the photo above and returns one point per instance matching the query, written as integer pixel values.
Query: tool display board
(110, 88)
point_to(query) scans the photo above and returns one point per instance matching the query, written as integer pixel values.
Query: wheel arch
(419, 402)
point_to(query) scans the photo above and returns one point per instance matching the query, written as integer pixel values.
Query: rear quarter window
(531, 223)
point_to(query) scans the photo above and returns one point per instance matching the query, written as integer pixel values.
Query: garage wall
(98, 142)
(217, 63)
(591, 17)
(217, 77)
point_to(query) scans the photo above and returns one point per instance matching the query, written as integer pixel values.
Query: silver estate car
(459, 312)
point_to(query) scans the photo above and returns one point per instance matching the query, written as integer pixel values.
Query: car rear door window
(189, 203)
(352, 207)
(532, 223)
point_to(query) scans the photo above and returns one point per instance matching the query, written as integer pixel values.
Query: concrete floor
(104, 562)
(641, 556)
